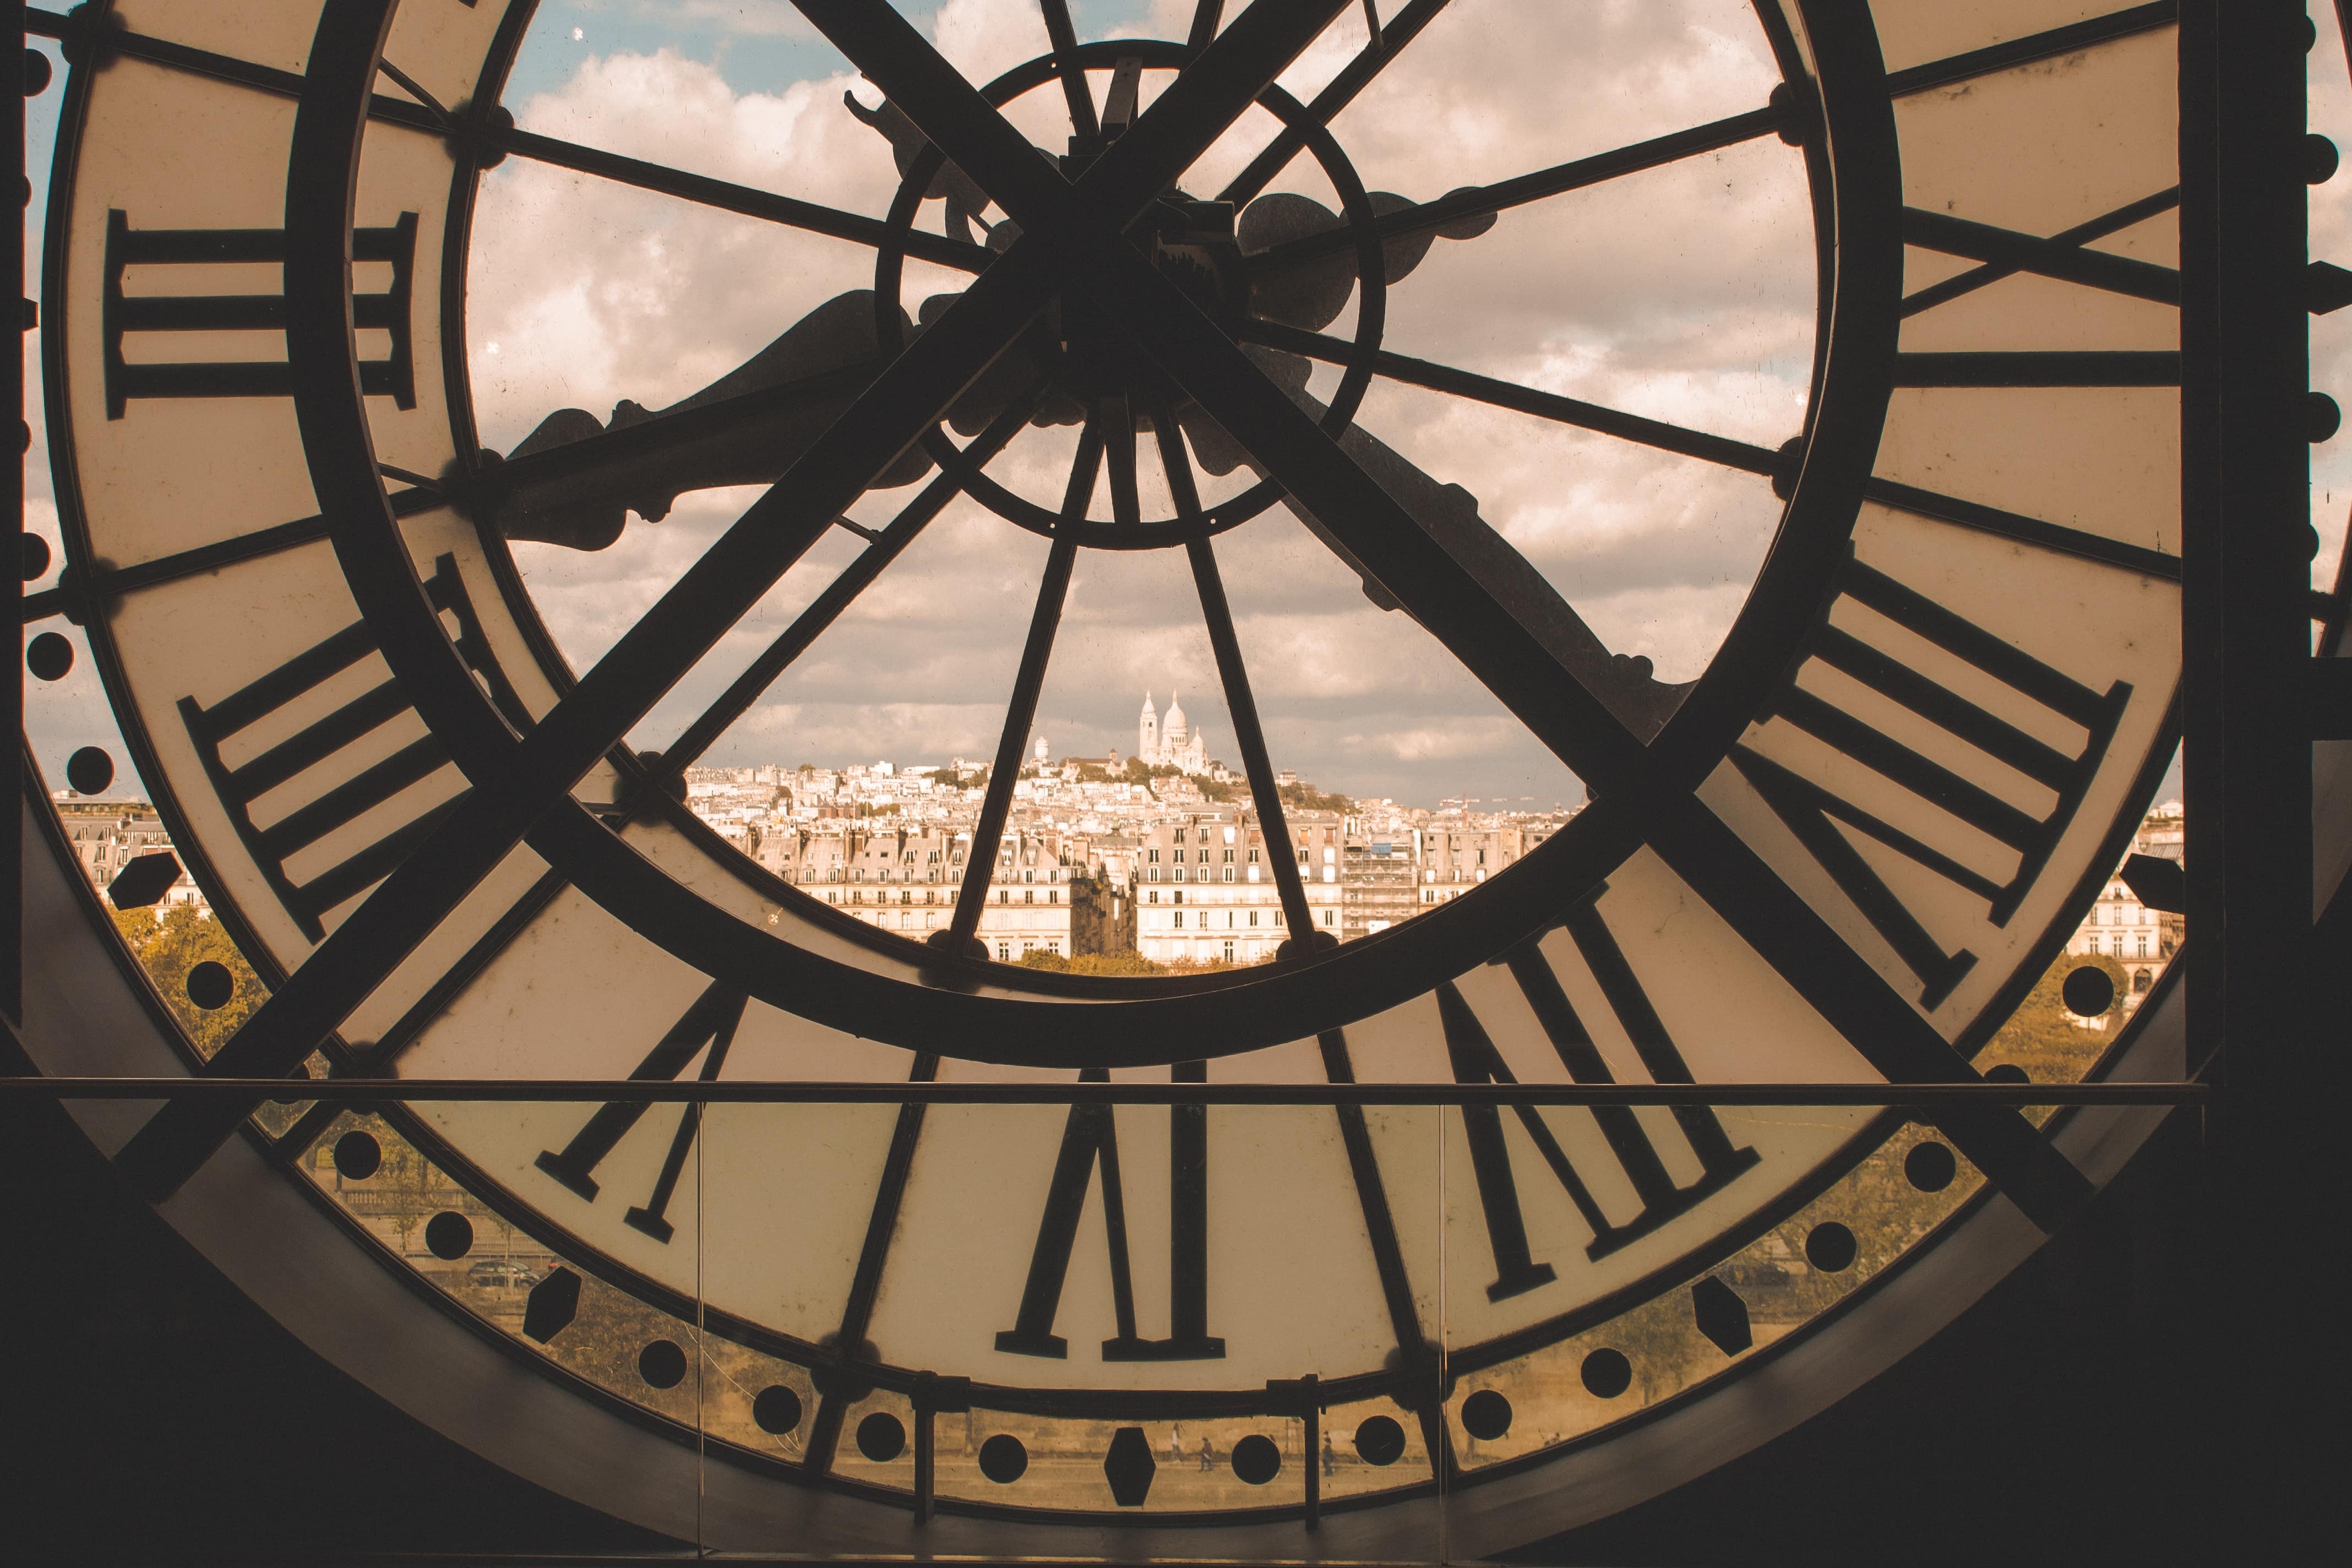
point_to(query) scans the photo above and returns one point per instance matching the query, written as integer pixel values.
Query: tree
(1126, 960)
(168, 947)
(1305, 796)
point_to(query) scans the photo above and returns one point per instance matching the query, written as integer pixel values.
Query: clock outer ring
(286, 1249)
(1043, 1027)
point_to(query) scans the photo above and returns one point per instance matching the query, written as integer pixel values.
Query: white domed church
(1171, 741)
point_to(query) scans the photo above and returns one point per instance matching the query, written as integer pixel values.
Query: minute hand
(1449, 515)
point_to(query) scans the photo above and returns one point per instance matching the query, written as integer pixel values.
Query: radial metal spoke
(1240, 704)
(1206, 18)
(1075, 91)
(1163, 142)
(727, 196)
(1556, 693)
(1118, 454)
(1384, 45)
(1021, 713)
(1744, 456)
(836, 597)
(1480, 201)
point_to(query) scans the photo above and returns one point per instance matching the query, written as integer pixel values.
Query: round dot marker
(90, 770)
(449, 1234)
(1003, 1459)
(1930, 1166)
(2088, 991)
(881, 1437)
(1831, 1247)
(1607, 1373)
(1257, 1460)
(1380, 1441)
(662, 1364)
(776, 1410)
(1486, 1414)
(210, 986)
(358, 1155)
(50, 656)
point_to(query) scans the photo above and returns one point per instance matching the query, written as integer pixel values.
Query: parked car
(502, 1272)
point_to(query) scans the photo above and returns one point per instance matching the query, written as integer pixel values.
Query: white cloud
(1684, 294)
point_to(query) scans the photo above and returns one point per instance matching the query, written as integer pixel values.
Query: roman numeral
(2064, 256)
(711, 1022)
(1474, 1059)
(1823, 820)
(315, 746)
(123, 314)
(1090, 1139)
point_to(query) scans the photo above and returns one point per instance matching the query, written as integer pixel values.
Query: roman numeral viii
(162, 255)
(711, 1022)
(1909, 785)
(305, 812)
(1476, 1060)
(1090, 1139)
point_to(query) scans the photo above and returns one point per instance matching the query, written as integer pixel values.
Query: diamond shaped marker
(550, 1307)
(144, 880)
(1722, 1315)
(1129, 1467)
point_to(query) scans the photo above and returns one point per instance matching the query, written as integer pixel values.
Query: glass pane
(1105, 1315)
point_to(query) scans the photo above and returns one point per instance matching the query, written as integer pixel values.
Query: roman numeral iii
(142, 319)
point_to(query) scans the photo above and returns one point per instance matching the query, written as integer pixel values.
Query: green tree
(1305, 796)
(168, 947)
(1126, 960)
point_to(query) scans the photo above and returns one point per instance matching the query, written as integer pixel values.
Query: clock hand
(574, 480)
(1312, 293)
(1449, 514)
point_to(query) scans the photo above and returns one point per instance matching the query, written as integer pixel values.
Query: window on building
(1229, 873)
(1229, 853)
(1253, 917)
(1229, 952)
(1179, 836)
(1252, 860)
(1004, 952)
(1178, 920)
(1155, 856)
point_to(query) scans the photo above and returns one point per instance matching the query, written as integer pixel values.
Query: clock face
(336, 555)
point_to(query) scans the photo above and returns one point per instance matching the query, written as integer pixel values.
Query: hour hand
(574, 480)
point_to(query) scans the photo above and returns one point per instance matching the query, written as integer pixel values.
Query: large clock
(1845, 850)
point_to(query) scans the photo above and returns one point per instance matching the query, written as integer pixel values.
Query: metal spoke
(1163, 142)
(1206, 18)
(701, 189)
(1745, 455)
(838, 594)
(866, 1285)
(1441, 593)
(1384, 46)
(1021, 711)
(1240, 703)
(727, 196)
(1075, 91)
(1480, 201)
(1119, 452)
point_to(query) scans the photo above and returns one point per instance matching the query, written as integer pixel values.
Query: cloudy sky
(1684, 293)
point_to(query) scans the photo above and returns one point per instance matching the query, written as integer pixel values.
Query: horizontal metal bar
(359, 1090)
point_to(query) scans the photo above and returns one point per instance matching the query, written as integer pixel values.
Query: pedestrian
(1208, 1456)
(1331, 1459)
(1175, 1442)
